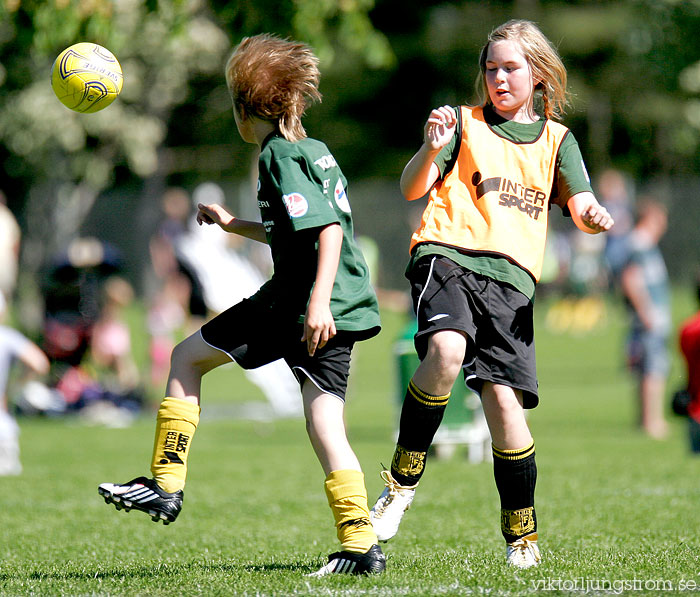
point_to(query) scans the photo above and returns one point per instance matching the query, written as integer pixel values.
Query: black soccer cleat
(373, 561)
(143, 494)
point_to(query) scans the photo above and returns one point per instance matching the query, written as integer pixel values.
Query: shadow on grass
(275, 566)
(157, 570)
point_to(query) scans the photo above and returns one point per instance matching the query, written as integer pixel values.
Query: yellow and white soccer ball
(86, 77)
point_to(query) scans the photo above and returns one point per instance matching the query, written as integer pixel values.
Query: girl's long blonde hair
(547, 68)
(274, 79)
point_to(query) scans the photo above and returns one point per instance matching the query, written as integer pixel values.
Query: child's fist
(597, 218)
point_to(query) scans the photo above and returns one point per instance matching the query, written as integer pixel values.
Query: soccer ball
(86, 77)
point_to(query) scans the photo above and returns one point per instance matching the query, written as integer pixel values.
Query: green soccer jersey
(301, 189)
(570, 178)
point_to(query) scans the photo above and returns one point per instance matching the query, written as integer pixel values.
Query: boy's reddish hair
(274, 79)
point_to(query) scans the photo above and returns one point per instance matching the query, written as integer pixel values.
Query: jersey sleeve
(301, 191)
(571, 175)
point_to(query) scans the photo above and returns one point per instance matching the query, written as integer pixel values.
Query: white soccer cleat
(524, 552)
(387, 512)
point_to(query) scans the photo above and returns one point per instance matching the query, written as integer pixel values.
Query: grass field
(618, 513)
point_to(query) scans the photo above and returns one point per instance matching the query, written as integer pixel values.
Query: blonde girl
(492, 173)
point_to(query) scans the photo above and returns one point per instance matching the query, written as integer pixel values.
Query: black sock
(421, 415)
(515, 472)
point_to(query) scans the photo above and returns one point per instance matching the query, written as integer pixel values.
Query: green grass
(612, 505)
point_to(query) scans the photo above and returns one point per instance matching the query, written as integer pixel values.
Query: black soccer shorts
(497, 319)
(253, 334)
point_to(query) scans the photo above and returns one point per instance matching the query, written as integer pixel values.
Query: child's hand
(440, 127)
(319, 326)
(213, 214)
(597, 218)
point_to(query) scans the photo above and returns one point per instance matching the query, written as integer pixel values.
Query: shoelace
(524, 546)
(389, 481)
(393, 490)
(389, 497)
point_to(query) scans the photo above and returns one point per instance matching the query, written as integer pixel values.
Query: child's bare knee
(183, 358)
(179, 356)
(503, 398)
(446, 351)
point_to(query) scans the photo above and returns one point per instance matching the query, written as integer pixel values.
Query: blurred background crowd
(96, 211)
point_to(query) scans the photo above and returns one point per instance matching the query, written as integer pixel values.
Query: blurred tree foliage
(55, 162)
(634, 68)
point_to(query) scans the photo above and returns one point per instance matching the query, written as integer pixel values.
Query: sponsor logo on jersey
(513, 194)
(325, 162)
(341, 197)
(296, 204)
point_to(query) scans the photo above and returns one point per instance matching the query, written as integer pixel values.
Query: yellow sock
(175, 425)
(347, 497)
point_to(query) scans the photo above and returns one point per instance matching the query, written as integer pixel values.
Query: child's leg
(652, 389)
(514, 465)
(190, 360)
(425, 403)
(421, 414)
(505, 416)
(178, 414)
(326, 429)
(345, 484)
